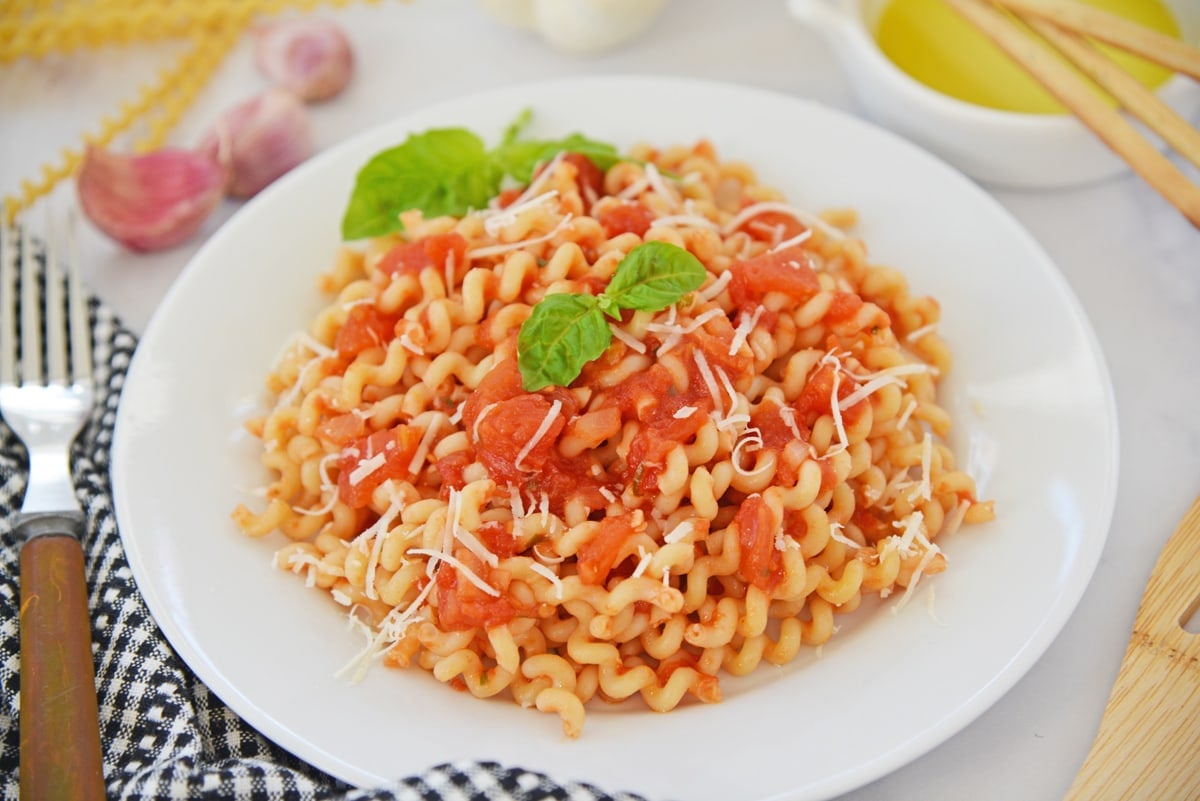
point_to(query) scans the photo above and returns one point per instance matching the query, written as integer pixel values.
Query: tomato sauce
(366, 327)
(785, 271)
(409, 258)
(773, 227)
(462, 605)
(760, 563)
(626, 218)
(511, 419)
(598, 557)
(398, 445)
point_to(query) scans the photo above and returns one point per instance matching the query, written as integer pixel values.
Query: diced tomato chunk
(501, 383)
(431, 251)
(785, 271)
(773, 226)
(844, 306)
(816, 398)
(626, 218)
(342, 429)
(760, 564)
(776, 433)
(589, 179)
(366, 327)
(597, 558)
(451, 467)
(509, 427)
(462, 605)
(498, 538)
(398, 446)
(508, 196)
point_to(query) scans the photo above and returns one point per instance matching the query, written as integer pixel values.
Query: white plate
(1036, 424)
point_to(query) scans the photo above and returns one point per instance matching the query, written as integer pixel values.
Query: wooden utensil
(1148, 746)
(1064, 24)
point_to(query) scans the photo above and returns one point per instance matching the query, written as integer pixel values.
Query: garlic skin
(579, 27)
(311, 58)
(259, 140)
(152, 201)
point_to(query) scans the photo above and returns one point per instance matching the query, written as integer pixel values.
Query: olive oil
(932, 43)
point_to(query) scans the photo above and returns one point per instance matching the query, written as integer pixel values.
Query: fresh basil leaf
(513, 132)
(520, 158)
(442, 171)
(654, 275)
(562, 334)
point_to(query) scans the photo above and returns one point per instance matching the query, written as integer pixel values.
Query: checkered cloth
(164, 735)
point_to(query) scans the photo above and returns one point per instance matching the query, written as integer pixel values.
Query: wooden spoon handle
(1148, 746)
(60, 736)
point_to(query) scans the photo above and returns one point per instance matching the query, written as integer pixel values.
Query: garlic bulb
(581, 27)
(152, 201)
(309, 57)
(259, 140)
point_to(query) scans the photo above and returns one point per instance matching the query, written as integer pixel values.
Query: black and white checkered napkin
(164, 734)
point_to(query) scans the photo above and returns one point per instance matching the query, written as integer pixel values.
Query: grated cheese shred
(542, 429)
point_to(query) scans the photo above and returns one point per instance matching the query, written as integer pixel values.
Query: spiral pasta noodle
(730, 476)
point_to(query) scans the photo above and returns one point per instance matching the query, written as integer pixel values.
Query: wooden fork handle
(60, 734)
(1148, 746)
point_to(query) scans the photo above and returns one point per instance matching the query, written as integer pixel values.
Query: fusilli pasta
(732, 474)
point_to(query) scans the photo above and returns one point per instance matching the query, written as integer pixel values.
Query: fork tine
(31, 314)
(77, 309)
(8, 304)
(56, 334)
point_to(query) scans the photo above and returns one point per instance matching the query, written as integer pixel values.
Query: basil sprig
(566, 331)
(450, 171)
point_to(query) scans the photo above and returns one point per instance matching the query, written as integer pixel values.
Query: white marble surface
(1133, 261)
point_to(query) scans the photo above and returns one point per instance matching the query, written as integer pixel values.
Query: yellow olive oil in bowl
(933, 44)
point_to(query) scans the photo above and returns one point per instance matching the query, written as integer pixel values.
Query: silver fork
(46, 392)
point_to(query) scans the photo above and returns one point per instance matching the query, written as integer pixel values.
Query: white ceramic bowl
(998, 147)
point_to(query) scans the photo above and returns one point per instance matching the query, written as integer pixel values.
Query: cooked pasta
(733, 473)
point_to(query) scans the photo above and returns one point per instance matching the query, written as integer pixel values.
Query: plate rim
(1038, 642)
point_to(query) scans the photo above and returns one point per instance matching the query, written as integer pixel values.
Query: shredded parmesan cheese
(550, 576)
(902, 420)
(742, 332)
(496, 250)
(634, 189)
(660, 186)
(547, 421)
(680, 532)
(798, 239)
(926, 558)
(836, 408)
(806, 218)
(498, 220)
(918, 333)
(685, 220)
(632, 342)
(835, 533)
(366, 467)
(716, 287)
(457, 564)
(684, 412)
(482, 414)
(676, 332)
(642, 564)
(707, 375)
(472, 544)
(789, 419)
(411, 346)
(418, 459)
